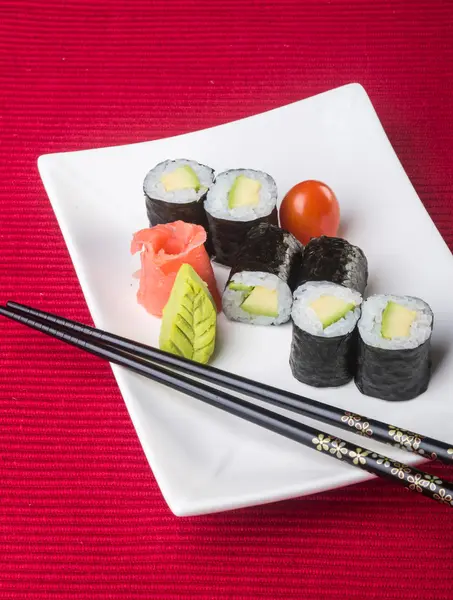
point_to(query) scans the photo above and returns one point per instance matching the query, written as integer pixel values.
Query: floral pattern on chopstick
(321, 442)
(398, 437)
(407, 440)
(338, 448)
(416, 482)
(431, 482)
(443, 497)
(414, 442)
(332, 445)
(357, 422)
(376, 463)
(400, 470)
(359, 456)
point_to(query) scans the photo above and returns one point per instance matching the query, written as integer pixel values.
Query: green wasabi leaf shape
(189, 318)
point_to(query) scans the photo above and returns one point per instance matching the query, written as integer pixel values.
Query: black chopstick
(362, 458)
(371, 428)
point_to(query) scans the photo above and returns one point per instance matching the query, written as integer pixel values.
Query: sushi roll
(394, 347)
(239, 200)
(323, 348)
(335, 260)
(258, 290)
(175, 191)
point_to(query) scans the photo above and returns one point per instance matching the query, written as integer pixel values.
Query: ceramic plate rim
(190, 507)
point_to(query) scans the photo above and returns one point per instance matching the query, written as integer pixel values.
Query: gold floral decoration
(359, 456)
(405, 439)
(415, 482)
(357, 422)
(351, 419)
(430, 481)
(321, 442)
(395, 433)
(443, 497)
(400, 470)
(382, 460)
(338, 449)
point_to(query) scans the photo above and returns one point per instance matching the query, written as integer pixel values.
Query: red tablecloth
(80, 513)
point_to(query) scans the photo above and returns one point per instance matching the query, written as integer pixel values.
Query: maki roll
(258, 290)
(323, 347)
(175, 191)
(394, 347)
(335, 260)
(239, 200)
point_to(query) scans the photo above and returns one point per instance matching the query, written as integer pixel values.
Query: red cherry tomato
(310, 209)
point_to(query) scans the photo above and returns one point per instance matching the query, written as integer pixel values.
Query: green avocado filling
(189, 318)
(330, 309)
(181, 178)
(261, 301)
(397, 321)
(244, 192)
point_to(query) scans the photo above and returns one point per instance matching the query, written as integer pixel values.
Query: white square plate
(205, 460)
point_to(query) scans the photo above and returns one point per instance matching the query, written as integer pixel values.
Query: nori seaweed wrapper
(161, 212)
(322, 361)
(228, 236)
(393, 374)
(270, 249)
(335, 260)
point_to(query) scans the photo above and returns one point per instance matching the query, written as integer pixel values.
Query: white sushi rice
(155, 189)
(216, 203)
(306, 318)
(232, 299)
(371, 322)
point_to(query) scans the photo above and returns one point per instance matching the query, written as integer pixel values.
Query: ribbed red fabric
(80, 513)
